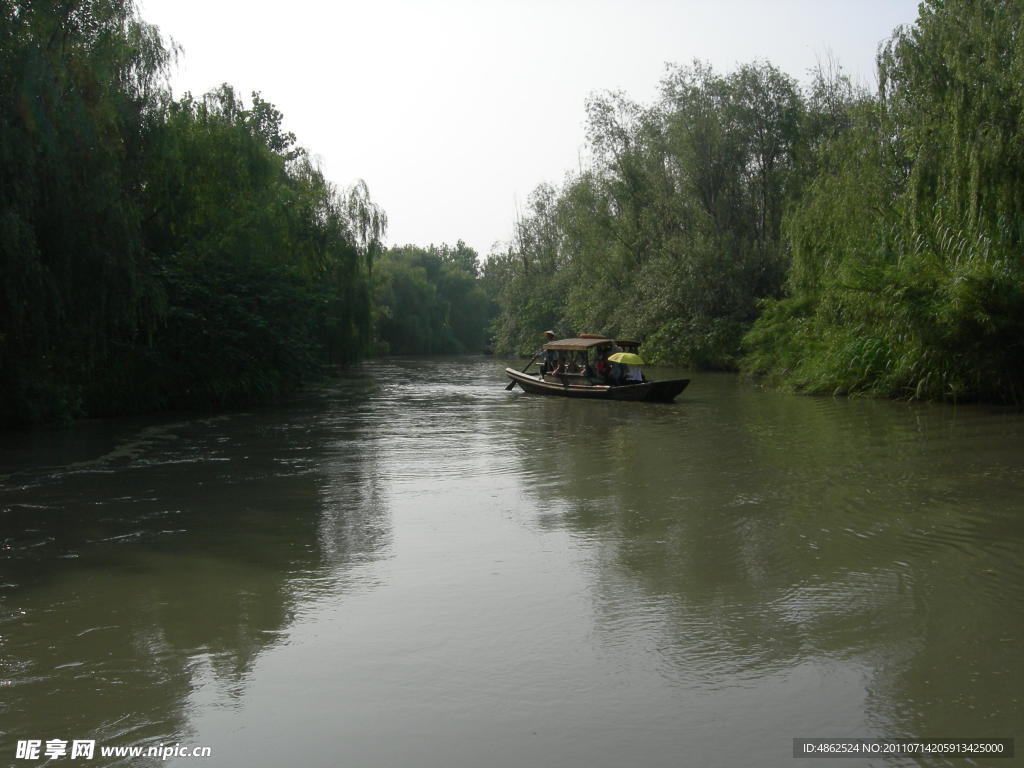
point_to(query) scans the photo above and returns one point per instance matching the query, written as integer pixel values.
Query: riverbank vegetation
(673, 232)
(824, 237)
(158, 252)
(906, 275)
(162, 252)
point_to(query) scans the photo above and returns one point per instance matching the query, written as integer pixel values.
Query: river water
(415, 567)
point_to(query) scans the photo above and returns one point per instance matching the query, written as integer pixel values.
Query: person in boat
(567, 364)
(617, 374)
(634, 375)
(550, 358)
(602, 368)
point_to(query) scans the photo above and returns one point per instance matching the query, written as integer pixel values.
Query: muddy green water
(418, 568)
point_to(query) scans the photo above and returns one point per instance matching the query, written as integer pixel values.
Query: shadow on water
(766, 531)
(160, 557)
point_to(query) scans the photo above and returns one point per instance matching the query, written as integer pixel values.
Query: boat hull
(577, 386)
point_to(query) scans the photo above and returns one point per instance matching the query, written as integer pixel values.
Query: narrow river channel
(418, 568)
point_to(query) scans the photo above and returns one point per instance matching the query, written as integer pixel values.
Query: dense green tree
(674, 232)
(265, 265)
(158, 252)
(430, 300)
(907, 277)
(873, 242)
(76, 81)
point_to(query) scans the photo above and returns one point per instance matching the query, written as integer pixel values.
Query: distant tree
(430, 300)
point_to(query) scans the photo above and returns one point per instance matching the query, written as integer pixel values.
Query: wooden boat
(579, 380)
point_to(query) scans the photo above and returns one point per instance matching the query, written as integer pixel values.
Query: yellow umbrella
(626, 358)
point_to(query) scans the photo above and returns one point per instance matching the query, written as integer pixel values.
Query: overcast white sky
(453, 111)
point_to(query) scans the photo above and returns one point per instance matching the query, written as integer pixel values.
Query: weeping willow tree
(76, 81)
(154, 252)
(907, 276)
(264, 264)
(674, 231)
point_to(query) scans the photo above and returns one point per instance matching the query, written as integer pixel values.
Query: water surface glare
(417, 568)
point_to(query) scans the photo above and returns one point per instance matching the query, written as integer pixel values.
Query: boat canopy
(575, 344)
(589, 342)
